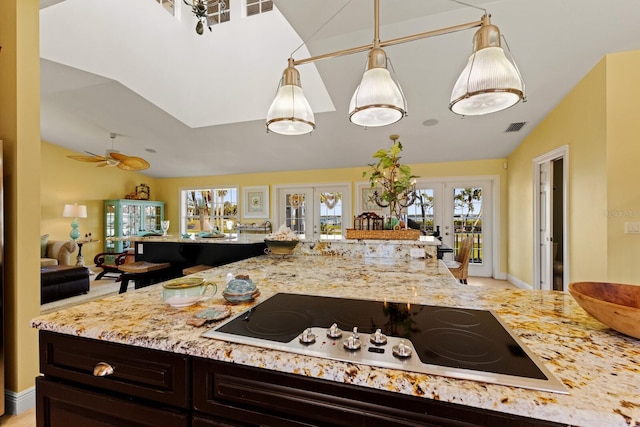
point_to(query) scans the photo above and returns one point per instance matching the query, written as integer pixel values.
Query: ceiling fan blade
(130, 163)
(91, 159)
(134, 164)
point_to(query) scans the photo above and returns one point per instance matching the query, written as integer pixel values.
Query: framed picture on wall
(255, 202)
(364, 200)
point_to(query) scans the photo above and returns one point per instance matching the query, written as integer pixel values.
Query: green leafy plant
(390, 180)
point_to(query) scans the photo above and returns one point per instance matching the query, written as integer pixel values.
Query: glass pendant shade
(490, 82)
(290, 112)
(378, 100)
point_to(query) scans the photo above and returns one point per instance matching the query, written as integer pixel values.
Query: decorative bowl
(240, 290)
(186, 291)
(280, 247)
(614, 304)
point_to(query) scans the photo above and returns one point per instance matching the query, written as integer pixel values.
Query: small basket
(280, 247)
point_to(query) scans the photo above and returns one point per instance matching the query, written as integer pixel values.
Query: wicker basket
(383, 234)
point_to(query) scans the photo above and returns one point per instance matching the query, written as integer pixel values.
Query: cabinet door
(153, 214)
(63, 405)
(111, 226)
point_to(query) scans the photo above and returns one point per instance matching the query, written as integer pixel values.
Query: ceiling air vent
(515, 127)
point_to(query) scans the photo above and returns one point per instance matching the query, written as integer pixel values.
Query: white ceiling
(199, 102)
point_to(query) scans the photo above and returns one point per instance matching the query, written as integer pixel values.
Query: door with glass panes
(455, 210)
(321, 212)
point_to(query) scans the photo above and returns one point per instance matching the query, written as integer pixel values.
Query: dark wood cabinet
(62, 404)
(138, 372)
(259, 397)
(145, 387)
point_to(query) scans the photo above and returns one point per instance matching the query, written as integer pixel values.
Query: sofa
(56, 252)
(62, 281)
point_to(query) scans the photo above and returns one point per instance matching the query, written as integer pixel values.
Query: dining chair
(460, 267)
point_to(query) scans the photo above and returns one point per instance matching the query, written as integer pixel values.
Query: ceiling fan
(115, 158)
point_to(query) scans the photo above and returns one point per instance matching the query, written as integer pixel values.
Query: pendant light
(378, 100)
(490, 82)
(290, 112)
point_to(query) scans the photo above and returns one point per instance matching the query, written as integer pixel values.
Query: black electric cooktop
(455, 342)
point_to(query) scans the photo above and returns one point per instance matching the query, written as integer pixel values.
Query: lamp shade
(378, 100)
(74, 211)
(290, 112)
(489, 82)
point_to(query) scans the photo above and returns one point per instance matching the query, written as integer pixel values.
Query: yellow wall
(66, 181)
(623, 171)
(598, 121)
(169, 188)
(20, 131)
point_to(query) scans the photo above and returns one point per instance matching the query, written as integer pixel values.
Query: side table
(80, 258)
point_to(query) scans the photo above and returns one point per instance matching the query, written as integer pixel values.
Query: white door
(545, 226)
(469, 213)
(548, 186)
(458, 209)
(316, 212)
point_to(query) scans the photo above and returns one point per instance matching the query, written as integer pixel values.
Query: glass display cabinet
(124, 217)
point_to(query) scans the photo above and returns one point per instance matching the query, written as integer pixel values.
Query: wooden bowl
(281, 247)
(614, 304)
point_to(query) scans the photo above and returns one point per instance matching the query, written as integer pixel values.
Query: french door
(319, 212)
(456, 209)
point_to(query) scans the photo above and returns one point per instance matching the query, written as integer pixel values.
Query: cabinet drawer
(253, 396)
(63, 405)
(138, 372)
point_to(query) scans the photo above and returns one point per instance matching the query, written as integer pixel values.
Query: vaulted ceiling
(195, 105)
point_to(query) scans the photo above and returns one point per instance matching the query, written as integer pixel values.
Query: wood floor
(28, 418)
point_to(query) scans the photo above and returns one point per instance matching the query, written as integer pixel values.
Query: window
(256, 7)
(168, 5)
(218, 12)
(206, 209)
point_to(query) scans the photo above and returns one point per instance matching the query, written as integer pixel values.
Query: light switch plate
(632, 227)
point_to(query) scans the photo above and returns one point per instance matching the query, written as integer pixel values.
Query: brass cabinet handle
(102, 369)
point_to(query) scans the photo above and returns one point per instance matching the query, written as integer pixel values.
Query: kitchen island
(598, 366)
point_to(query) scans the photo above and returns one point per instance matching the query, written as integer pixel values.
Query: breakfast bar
(213, 382)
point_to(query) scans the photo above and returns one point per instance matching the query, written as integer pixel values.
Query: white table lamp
(74, 211)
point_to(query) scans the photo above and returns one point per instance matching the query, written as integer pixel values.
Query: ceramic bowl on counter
(186, 291)
(280, 247)
(240, 289)
(614, 304)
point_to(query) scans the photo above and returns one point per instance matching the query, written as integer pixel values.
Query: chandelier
(489, 83)
(200, 8)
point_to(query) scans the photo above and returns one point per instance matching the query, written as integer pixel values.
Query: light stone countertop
(599, 367)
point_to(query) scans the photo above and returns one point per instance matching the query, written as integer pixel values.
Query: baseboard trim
(501, 276)
(17, 403)
(519, 283)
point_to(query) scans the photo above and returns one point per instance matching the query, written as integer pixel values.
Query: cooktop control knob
(378, 338)
(334, 331)
(307, 337)
(353, 342)
(401, 350)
